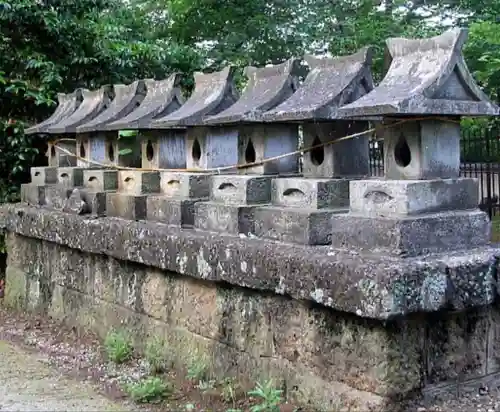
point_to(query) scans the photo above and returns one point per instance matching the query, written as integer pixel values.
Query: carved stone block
(100, 180)
(43, 175)
(310, 193)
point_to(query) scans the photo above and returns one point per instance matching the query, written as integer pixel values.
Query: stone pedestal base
(55, 196)
(131, 207)
(310, 193)
(51, 195)
(238, 190)
(172, 211)
(43, 175)
(138, 183)
(412, 235)
(96, 201)
(186, 185)
(303, 226)
(32, 194)
(224, 218)
(412, 197)
(70, 176)
(100, 180)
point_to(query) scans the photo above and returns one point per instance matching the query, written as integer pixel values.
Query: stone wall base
(327, 359)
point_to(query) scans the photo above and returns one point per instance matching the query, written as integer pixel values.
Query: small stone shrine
(52, 186)
(244, 138)
(403, 301)
(179, 191)
(67, 105)
(95, 143)
(303, 206)
(422, 206)
(160, 149)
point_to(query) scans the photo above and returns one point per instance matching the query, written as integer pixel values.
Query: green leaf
(127, 133)
(124, 152)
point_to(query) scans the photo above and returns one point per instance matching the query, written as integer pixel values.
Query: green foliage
(58, 46)
(269, 396)
(155, 355)
(483, 55)
(197, 368)
(149, 390)
(229, 389)
(118, 346)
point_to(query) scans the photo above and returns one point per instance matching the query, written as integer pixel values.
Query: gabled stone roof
(163, 97)
(426, 77)
(127, 98)
(267, 87)
(67, 104)
(94, 102)
(213, 93)
(330, 84)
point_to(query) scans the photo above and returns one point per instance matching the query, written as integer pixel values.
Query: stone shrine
(67, 105)
(160, 149)
(303, 206)
(52, 186)
(403, 302)
(181, 190)
(422, 206)
(239, 133)
(104, 146)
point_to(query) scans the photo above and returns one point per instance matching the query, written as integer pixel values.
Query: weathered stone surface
(103, 148)
(211, 147)
(224, 218)
(32, 194)
(329, 84)
(426, 76)
(100, 179)
(138, 183)
(163, 149)
(422, 149)
(258, 142)
(171, 211)
(322, 356)
(67, 104)
(95, 201)
(43, 175)
(185, 184)
(303, 226)
(213, 93)
(162, 98)
(310, 193)
(370, 285)
(58, 158)
(71, 176)
(75, 204)
(126, 99)
(347, 158)
(55, 195)
(412, 197)
(94, 102)
(412, 235)
(240, 190)
(266, 88)
(126, 206)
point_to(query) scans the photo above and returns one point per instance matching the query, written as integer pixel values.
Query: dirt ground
(46, 366)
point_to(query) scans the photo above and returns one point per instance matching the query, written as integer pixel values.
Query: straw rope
(245, 165)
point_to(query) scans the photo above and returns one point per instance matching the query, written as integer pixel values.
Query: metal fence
(480, 158)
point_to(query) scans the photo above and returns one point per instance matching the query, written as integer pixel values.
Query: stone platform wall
(321, 356)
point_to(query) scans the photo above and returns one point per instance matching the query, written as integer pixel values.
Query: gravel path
(28, 383)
